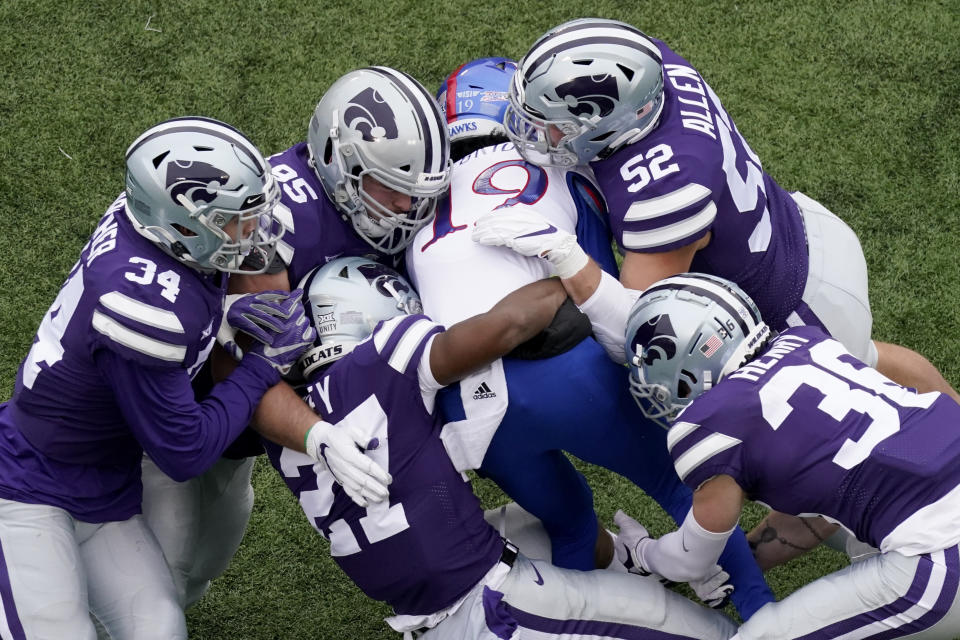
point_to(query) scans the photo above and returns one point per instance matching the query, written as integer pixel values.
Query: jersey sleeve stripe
(678, 432)
(409, 342)
(661, 206)
(671, 233)
(141, 312)
(137, 341)
(703, 451)
(285, 217)
(381, 337)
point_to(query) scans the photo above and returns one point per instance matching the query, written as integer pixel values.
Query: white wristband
(572, 261)
(313, 439)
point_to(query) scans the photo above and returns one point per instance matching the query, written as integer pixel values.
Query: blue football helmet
(345, 299)
(685, 334)
(474, 98)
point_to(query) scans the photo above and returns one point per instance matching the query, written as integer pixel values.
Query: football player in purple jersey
(366, 179)
(427, 551)
(796, 422)
(686, 192)
(109, 376)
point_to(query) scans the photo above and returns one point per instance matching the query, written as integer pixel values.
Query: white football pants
(56, 570)
(836, 290)
(198, 523)
(536, 600)
(886, 596)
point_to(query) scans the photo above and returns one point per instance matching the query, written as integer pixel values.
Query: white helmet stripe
(719, 294)
(198, 124)
(431, 122)
(566, 42)
(588, 23)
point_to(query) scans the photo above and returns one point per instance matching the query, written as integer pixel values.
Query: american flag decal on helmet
(710, 347)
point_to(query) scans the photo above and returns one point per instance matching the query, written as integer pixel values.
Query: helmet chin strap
(323, 355)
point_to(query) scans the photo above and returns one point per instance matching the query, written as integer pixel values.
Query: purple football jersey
(108, 376)
(316, 232)
(429, 544)
(807, 429)
(694, 174)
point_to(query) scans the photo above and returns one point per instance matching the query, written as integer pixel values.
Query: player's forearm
(780, 538)
(524, 313)
(478, 341)
(583, 283)
(283, 417)
(182, 436)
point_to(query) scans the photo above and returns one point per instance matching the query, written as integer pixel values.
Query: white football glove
(713, 589)
(339, 449)
(632, 538)
(530, 234)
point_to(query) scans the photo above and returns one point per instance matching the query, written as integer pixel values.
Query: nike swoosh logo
(683, 543)
(539, 579)
(550, 229)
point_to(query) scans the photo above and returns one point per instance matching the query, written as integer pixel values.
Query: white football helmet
(201, 191)
(685, 334)
(345, 299)
(584, 89)
(380, 123)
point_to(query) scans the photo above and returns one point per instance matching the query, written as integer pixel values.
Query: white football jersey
(458, 278)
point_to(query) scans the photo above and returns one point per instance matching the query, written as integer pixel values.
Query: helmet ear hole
(328, 151)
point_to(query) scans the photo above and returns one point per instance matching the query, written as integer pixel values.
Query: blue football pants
(579, 402)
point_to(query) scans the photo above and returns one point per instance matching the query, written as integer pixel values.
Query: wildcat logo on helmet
(590, 96)
(656, 338)
(196, 181)
(368, 113)
(378, 275)
(385, 281)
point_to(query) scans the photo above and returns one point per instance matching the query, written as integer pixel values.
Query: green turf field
(855, 103)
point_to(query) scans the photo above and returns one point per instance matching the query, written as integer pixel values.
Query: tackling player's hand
(713, 589)
(631, 540)
(531, 234)
(277, 322)
(338, 448)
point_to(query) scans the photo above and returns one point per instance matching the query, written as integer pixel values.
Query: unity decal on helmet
(590, 96)
(657, 338)
(368, 113)
(196, 181)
